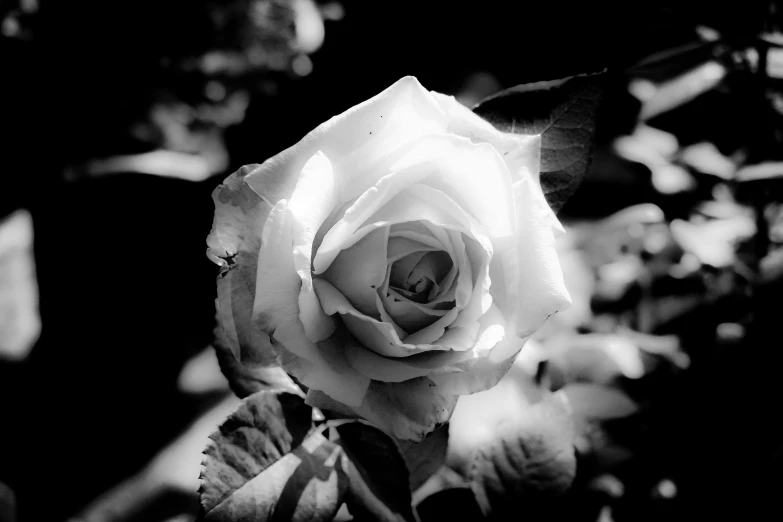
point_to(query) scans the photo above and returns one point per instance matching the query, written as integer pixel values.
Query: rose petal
(440, 200)
(343, 234)
(464, 122)
(407, 411)
(276, 312)
(310, 205)
(491, 336)
(433, 266)
(531, 273)
(481, 298)
(449, 163)
(399, 247)
(354, 141)
(400, 271)
(487, 367)
(359, 270)
(417, 232)
(487, 197)
(410, 315)
(233, 244)
(378, 336)
(521, 153)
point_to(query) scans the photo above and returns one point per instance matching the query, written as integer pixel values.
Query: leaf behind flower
(564, 113)
(529, 462)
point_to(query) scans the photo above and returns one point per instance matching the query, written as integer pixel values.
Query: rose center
(418, 275)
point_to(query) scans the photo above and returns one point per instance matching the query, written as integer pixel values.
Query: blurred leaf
(595, 357)
(666, 64)
(761, 171)
(528, 464)
(594, 401)
(426, 457)
(647, 145)
(246, 379)
(450, 504)
(706, 158)
(679, 91)
(7, 504)
(477, 417)
(380, 487)
(564, 113)
(263, 463)
(713, 242)
(665, 346)
(20, 323)
(772, 266)
(672, 179)
(775, 62)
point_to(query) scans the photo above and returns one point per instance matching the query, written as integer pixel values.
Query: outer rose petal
(541, 289)
(356, 141)
(276, 312)
(311, 203)
(409, 410)
(233, 244)
(521, 153)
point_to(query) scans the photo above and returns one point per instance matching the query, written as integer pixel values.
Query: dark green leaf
(426, 457)
(528, 464)
(380, 487)
(261, 464)
(450, 504)
(564, 113)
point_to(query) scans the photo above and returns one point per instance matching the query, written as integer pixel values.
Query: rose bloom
(397, 257)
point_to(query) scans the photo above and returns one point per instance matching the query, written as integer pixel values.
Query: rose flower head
(397, 257)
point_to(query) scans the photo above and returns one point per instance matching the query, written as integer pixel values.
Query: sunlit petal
(311, 203)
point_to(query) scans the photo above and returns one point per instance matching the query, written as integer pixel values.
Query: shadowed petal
(359, 270)
(491, 336)
(233, 244)
(378, 336)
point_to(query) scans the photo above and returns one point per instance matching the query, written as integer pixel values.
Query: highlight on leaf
(266, 463)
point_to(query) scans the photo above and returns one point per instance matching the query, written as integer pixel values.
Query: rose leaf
(529, 461)
(564, 113)
(265, 463)
(380, 485)
(246, 378)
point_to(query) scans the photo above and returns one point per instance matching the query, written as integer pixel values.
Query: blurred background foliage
(119, 118)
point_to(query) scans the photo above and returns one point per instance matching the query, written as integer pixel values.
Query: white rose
(397, 257)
